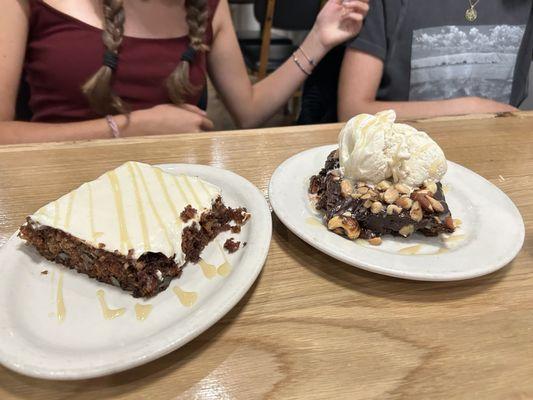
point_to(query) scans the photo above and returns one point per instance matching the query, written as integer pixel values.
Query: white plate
(85, 345)
(491, 234)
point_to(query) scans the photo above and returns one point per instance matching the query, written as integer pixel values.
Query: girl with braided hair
(104, 68)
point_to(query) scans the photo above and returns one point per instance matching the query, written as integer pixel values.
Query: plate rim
(373, 267)
(232, 299)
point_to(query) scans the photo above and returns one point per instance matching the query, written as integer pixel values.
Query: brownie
(368, 211)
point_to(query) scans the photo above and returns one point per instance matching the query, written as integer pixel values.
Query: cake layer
(132, 210)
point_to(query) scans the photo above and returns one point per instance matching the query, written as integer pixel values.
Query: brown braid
(98, 88)
(178, 83)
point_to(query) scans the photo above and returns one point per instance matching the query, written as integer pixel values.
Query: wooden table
(312, 327)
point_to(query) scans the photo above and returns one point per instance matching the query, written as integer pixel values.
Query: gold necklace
(471, 13)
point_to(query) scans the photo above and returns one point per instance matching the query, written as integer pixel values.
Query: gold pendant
(471, 14)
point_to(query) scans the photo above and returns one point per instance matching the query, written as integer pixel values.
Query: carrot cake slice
(134, 227)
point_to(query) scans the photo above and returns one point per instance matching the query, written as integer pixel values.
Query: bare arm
(359, 82)
(250, 105)
(13, 35)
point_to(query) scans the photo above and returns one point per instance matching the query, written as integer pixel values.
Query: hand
(340, 21)
(167, 119)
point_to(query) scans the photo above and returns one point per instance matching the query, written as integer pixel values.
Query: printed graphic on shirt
(457, 61)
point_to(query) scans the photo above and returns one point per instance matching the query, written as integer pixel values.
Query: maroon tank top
(63, 52)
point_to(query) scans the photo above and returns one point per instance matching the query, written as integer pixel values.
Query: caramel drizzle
(56, 213)
(186, 298)
(421, 149)
(117, 194)
(60, 302)
(209, 270)
(225, 268)
(205, 189)
(142, 217)
(91, 212)
(142, 311)
(194, 194)
(433, 167)
(152, 205)
(453, 238)
(182, 192)
(411, 250)
(108, 313)
(71, 197)
(159, 175)
(365, 139)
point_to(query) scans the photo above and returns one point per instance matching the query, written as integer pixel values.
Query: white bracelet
(113, 126)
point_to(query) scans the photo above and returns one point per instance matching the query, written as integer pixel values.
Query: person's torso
(444, 55)
(63, 53)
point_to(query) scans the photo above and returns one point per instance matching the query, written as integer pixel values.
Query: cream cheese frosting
(373, 148)
(133, 207)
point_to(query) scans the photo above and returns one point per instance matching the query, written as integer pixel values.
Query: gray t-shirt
(431, 51)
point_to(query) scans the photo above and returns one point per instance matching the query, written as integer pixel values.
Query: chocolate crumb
(244, 244)
(236, 229)
(188, 213)
(45, 272)
(231, 245)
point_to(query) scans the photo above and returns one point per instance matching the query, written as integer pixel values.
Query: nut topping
(391, 195)
(366, 196)
(383, 185)
(437, 205)
(347, 224)
(448, 222)
(368, 203)
(422, 198)
(407, 230)
(416, 213)
(362, 190)
(393, 209)
(404, 202)
(376, 207)
(375, 241)
(403, 189)
(431, 186)
(346, 188)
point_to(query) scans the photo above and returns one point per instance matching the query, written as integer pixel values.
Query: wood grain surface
(312, 327)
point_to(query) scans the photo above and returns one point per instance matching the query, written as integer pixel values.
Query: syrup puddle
(442, 250)
(455, 238)
(142, 311)
(52, 279)
(457, 222)
(106, 311)
(209, 270)
(60, 303)
(225, 269)
(186, 298)
(313, 221)
(411, 250)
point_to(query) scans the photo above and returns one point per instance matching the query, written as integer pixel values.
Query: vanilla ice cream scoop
(373, 148)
